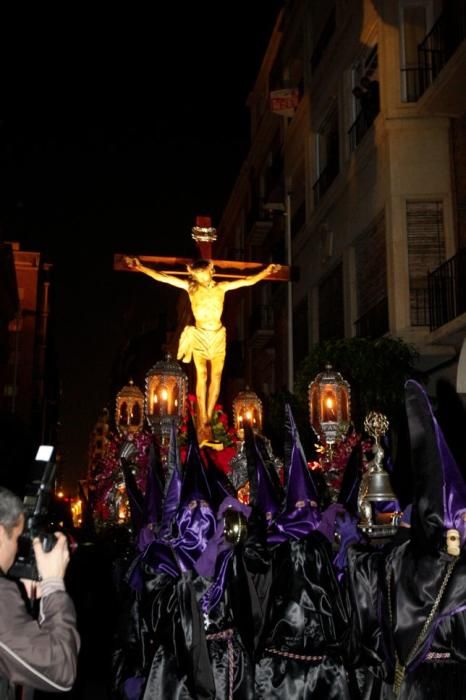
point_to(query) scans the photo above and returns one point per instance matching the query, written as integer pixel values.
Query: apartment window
(426, 251)
(416, 18)
(327, 154)
(331, 306)
(371, 282)
(365, 96)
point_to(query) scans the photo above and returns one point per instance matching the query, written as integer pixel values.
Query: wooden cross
(204, 343)
(204, 235)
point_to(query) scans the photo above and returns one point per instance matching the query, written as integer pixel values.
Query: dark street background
(128, 124)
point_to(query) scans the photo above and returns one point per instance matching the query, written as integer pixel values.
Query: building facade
(357, 175)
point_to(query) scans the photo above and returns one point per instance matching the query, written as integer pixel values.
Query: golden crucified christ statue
(205, 342)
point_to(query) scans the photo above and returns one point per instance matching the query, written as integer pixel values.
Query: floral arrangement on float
(221, 430)
(334, 458)
(107, 485)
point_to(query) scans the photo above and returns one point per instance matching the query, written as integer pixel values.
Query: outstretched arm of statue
(251, 279)
(136, 264)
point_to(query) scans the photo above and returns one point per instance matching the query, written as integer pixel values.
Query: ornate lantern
(129, 410)
(329, 405)
(375, 485)
(247, 409)
(166, 392)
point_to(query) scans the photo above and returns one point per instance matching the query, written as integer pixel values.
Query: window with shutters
(371, 281)
(426, 251)
(331, 306)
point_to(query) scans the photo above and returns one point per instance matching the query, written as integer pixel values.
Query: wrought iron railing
(447, 290)
(441, 42)
(361, 125)
(374, 323)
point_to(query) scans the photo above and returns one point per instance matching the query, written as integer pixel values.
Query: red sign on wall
(284, 102)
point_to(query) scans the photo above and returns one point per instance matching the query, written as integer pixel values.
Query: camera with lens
(36, 514)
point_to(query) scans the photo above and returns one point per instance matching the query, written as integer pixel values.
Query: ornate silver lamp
(166, 392)
(330, 405)
(247, 409)
(129, 409)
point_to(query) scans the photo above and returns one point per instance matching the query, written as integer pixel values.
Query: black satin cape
(416, 580)
(187, 664)
(306, 616)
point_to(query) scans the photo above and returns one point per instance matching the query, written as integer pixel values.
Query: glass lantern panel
(344, 406)
(136, 413)
(315, 414)
(329, 405)
(123, 417)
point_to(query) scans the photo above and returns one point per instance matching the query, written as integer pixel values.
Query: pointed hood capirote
(153, 497)
(195, 519)
(262, 494)
(195, 484)
(300, 514)
(439, 502)
(299, 484)
(173, 485)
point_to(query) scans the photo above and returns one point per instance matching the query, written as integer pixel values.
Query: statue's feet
(204, 433)
(205, 438)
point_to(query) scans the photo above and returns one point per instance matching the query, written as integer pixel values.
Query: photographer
(40, 654)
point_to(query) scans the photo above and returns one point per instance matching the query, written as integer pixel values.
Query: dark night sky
(130, 124)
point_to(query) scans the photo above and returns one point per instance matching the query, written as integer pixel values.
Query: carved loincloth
(206, 344)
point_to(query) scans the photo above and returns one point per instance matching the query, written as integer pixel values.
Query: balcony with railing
(442, 63)
(362, 124)
(374, 323)
(326, 177)
(261, 326)
(447, 291)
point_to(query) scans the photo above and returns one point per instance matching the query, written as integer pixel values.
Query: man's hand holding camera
(50, 565)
